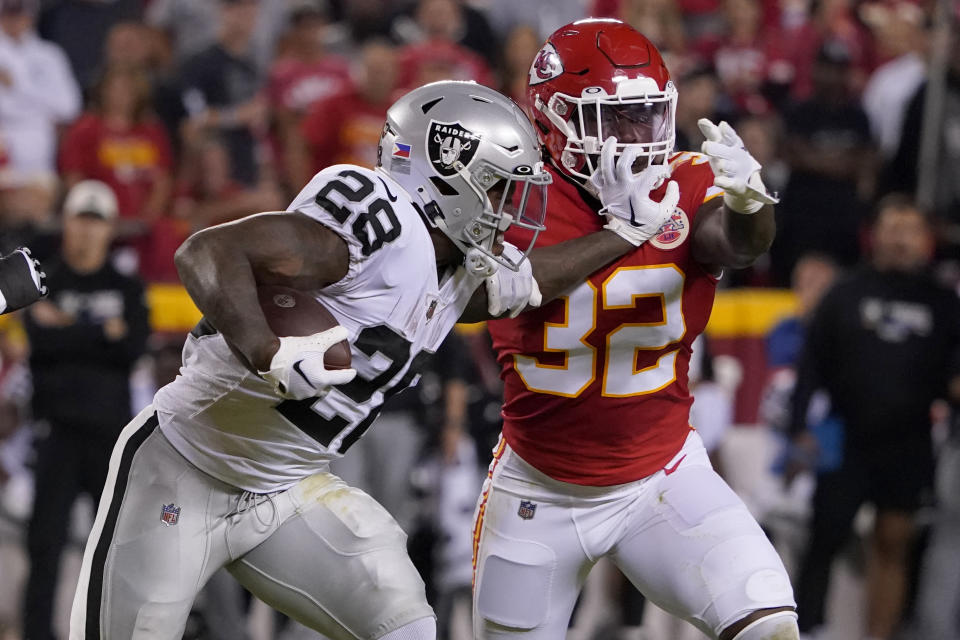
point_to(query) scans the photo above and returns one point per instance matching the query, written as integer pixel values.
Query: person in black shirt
(83, 341)
(220, 86)
(830, 156)
(884, 344)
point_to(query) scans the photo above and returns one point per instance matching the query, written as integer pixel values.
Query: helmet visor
(630, 123)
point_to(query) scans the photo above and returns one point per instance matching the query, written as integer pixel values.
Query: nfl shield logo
(527, 509)
(170, 514)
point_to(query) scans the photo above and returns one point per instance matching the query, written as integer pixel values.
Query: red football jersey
(596, 381)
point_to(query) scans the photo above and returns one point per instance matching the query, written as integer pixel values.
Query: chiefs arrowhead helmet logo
(546, 65)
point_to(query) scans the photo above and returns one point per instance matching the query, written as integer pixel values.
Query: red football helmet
(594, 79)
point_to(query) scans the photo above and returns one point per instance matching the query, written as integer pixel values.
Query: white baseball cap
(91, 197)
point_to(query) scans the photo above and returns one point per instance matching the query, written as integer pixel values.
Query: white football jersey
(229, 422)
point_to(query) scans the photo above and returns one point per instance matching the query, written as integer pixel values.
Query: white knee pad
(781, 625)
(422, 629)
(513, 582)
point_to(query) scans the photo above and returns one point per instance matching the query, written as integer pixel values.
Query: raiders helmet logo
(449, 143)
(546, 66)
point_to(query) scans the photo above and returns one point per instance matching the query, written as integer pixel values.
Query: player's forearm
(561, 267)
(220, 279)
(748, 236)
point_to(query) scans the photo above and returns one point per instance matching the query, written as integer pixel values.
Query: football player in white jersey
(230, 468)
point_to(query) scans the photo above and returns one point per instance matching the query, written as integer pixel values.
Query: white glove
(512, 291)
(297, 370)
(479, 264)
(735, 170)
(625, 196)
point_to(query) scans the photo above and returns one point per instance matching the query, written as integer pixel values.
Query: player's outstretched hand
(625, 196)
(22, 280)
(512, 291)
(735, 170)
(297, 370)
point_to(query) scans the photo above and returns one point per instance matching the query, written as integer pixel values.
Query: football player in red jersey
(597, 456)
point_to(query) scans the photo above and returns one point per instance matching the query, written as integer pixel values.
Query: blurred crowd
(197, 112)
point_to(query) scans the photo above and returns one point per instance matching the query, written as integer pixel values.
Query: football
(290, 312)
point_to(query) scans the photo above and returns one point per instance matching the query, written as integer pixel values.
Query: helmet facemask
(517, 199)
(640, 116)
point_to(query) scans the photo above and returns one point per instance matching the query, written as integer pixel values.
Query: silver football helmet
(470, 159)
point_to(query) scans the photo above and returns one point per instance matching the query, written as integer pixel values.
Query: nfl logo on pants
(170, 514)
(527, 509)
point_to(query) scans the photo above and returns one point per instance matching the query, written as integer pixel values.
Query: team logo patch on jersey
(170, 514)
(546, 65)
(527, 509)
(449, 143)
(673, 232)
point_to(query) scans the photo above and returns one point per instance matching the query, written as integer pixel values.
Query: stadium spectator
(519, 49)
(118, 141)
(194, 25)
(436, 60)
(80, 26)
(762, 136)
(747, 59)
(884, 343)
(662, 22)
(698, 92)
(902, 173)
(543, 17)
(447, 21)
(206, 195)
(304, 73)
(84, 341)
(37, 93)
(209, 196)
(345, 128)
(132, 44)
(812, 277)
(221, 89)
(899, 35)
(832, 169)
(364, 20)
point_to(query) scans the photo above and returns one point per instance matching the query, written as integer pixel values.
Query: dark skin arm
(221, 267)
(560, 267)
(725, 238)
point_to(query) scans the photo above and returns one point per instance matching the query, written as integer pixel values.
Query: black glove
(22, 281)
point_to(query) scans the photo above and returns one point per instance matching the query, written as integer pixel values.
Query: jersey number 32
(621, 377)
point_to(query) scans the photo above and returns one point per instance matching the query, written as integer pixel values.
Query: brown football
(290, 312)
